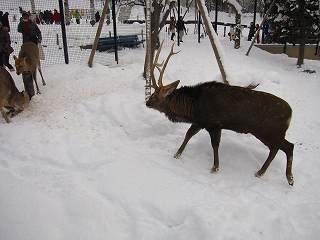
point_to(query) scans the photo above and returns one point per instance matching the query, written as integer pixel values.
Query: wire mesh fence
(79, 37)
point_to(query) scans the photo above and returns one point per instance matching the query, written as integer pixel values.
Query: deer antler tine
(165, 65)
(155, 65)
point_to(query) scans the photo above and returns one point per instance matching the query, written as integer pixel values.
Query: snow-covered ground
(87, 159)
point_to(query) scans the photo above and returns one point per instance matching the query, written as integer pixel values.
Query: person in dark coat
(251, 31)
(5, 43)
(97, 16)
(29, 29)
(5, 20)
(30, 33)
(181, 28)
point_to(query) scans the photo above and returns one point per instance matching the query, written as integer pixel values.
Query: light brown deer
(215, 106)
(10, 97)
(29, 61)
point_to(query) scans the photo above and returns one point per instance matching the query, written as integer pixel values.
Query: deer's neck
(179, 107)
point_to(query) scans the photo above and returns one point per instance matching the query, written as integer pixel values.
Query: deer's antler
(159, 65)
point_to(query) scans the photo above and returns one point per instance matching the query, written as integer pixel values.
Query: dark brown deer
(10, 97)
(215, 106)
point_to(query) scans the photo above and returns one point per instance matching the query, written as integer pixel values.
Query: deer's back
(235, 108)
(31, 51)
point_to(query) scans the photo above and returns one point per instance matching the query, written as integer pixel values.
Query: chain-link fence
(79, 37)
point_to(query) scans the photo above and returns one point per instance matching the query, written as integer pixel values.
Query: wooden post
(208, 25)
(95, 43)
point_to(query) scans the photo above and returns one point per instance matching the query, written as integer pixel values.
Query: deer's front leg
(193, 130)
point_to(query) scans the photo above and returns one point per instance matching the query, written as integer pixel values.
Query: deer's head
(157, 99)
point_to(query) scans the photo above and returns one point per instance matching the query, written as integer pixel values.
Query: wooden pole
(208, 26)
(95, 43)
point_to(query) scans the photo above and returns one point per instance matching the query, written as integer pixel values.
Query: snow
(236, 5)
(87, 159)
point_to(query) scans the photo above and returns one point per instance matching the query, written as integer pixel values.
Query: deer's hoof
(258, 174)
(214, 169)
(38, 92)
(290, 181)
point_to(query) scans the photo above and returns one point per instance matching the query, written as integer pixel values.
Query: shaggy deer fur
(215, 106)
(10, 97)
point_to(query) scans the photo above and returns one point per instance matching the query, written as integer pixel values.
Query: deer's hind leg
(34, 76)
(40, 71)
(288, 147)
(273, 152)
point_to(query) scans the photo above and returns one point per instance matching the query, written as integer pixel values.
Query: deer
(10, 97)
(214, 106)
(29, 61)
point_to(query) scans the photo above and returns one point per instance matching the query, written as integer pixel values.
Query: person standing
(29, 29)
(266, 33)
(258, 33)
(172, 28)
(5, 20)
(30, 33)
(56, 17)
(77, 15)
(5, 47)
(181, 28)
(97, 16)
(232, 33)
(251, 31)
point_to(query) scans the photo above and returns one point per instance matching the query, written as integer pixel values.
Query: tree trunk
(148, 59)
(33, 10)
(156, 26)
(92, 10)
(302, 41)
(67, 14)
(303, 35)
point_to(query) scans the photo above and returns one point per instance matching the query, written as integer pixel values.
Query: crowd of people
(47, 17)
(270, 36)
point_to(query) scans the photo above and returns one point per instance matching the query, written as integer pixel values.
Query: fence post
(64, 35)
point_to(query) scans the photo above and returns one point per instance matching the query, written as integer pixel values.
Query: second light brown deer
(29, 61)
(215, 106)
(10, 97)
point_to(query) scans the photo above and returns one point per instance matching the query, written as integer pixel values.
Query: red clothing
(56, 17)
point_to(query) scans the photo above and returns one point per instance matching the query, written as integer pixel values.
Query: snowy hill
(88, 160)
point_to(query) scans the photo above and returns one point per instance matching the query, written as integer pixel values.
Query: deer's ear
(168, 89)
(175, 84)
